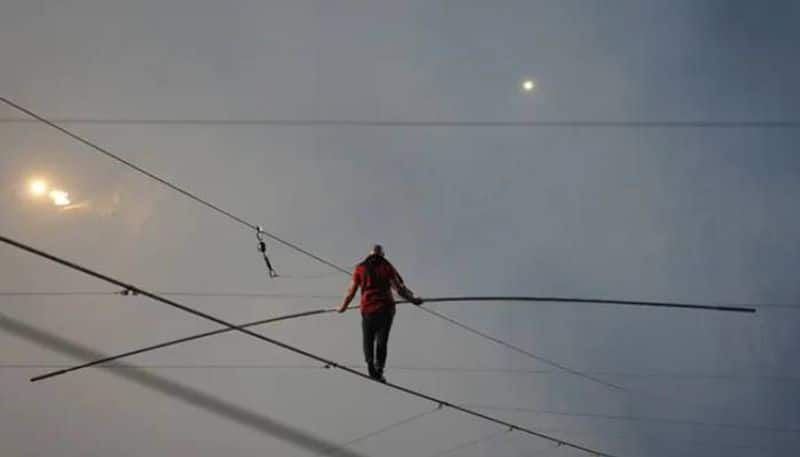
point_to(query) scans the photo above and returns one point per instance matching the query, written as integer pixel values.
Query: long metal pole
(427, 300)
(653, 304)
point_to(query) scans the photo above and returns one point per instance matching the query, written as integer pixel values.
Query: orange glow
(38, 187)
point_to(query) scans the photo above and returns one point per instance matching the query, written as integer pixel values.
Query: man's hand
(351, 292)
(417, 301)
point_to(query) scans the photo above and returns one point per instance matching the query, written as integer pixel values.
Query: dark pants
(375, 327)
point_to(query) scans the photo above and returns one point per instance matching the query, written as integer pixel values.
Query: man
(376, 277)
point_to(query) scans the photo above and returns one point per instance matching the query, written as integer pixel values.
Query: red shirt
(374, 276)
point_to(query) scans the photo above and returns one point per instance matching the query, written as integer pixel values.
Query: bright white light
(59, 197)
(528, 85)
(38, 187)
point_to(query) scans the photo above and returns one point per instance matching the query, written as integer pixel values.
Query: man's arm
(405, 292)
(351, 292)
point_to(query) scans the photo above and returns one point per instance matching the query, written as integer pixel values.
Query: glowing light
(528, 85)
(59, 197)
(38, 187)
(76, 206)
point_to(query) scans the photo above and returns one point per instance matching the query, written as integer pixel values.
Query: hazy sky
(706, 215)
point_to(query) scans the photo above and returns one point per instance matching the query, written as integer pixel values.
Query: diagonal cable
(172, 186)
(339, 447)
(523, 351)
(470, 443)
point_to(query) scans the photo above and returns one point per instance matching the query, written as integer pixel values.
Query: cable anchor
(262, 248)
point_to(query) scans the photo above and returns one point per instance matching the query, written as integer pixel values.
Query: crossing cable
(340, 447)
(472, 443)
(331, 310)
(524, 352)
(294, 349)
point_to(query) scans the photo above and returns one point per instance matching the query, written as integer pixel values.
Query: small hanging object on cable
(262, 248)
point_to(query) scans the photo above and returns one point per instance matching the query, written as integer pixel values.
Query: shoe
(379, 375)
(373, 373)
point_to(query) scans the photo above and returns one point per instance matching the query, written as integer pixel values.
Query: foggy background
(697, 214)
